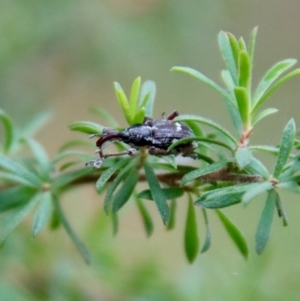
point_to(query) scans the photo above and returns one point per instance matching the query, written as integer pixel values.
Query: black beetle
(155, 135)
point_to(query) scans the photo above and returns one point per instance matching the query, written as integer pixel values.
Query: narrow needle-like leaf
(285, 148)
(15, 168)
(10, 220)
(146, 218)
(207, 241)
(205, 80)
(157, 193)
(191, 240)
(235, 234)
(86, 127)
(272, 74)
(124, 193)
(148, 88)
(43, 213)
(78, 243)
(265, 222)
(8, 131)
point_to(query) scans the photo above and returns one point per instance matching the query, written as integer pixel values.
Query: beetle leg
(157, 151)
(95, 135)
(130, 152)
(95, 163)
(98, 162)
(173, 115)
(187, 150)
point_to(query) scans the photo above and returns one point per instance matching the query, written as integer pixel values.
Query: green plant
(228, 172)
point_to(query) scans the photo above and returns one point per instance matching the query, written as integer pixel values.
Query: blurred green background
(64, 56)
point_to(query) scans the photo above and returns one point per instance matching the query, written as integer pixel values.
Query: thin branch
(171, 179)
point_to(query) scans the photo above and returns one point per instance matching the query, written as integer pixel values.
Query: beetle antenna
(173, 115)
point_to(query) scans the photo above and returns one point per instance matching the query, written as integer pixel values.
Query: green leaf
(256, 167)
(171, 222)
(68, 153)
(265, 148)
(235, 48)
(207, 159)
(235, 117)
(105, 176)
(11, 219)
(255, 190)
(265, 222)
(76, 143)
(115, 223)
(273, 88)
(203, 171)
(196, 129)
(210, 123)
(123, 101)
(134, 95)
(148, 88)
(157, 193)
(55, 221)
(281, 211)
(114, 184)
(259, 116)
(13, 178)
(244, 70)
(243, 157)
(243, 102)
(201, 139)
(285, 148)
(191, 240)
(235, 234)
(220, 200)
(221, 156)
(290, 171)
(105, 115)
(64, 179)
(35, 124)
(229, 53)
(272, 74)
(43, 213)
(223, 197)
(242, 44)
(126, 190)
(171, 160)
(67, 165)
(78, 243)
(198, 75)
(228, 80)
(252, 43)
(8, 131)
(40, 156)
(146, 218)
(15, 168)
(139, 116)
(207, 242)
(290, 185)
(143, 102)
(169, 193)
(15, 196)
(86, 127)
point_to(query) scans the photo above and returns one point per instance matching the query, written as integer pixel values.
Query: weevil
(155, 135)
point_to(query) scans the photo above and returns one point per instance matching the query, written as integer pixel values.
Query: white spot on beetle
(178, 127)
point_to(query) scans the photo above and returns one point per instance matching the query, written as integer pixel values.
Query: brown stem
(173, 179)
